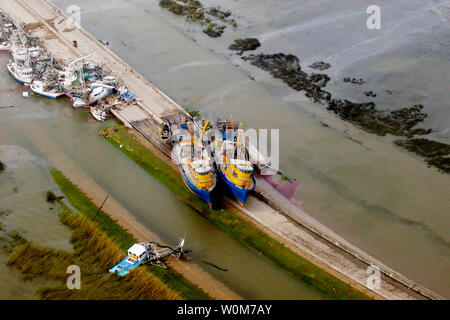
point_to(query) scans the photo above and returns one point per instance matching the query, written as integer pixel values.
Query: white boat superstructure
(40, 87)
(23, 74)
(98, 92)
(98, 114)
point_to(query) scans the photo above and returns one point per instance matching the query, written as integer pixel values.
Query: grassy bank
(94, 253)
(241, 230)
(123, 239)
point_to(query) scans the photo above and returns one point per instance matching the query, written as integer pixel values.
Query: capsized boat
(98, 92)
(232, 160)
(195, 164)
(98, 114)
(23, 74)
(148, 253)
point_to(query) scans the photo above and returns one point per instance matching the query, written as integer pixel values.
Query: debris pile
(85, 83)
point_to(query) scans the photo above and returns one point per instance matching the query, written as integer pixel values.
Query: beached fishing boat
(151, 253)
(23, 74)
(47, 90)
(232, 160)
(98, 114)
(195, 164)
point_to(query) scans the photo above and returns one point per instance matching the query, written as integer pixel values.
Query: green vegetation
(244, 232)
(194, 112)
(94, 252)
(122, 238)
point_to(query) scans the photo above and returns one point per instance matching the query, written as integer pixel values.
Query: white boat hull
(16, 76)
(38, 90)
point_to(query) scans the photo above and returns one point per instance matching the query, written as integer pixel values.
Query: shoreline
(346, 272)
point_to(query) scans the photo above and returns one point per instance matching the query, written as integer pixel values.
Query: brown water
(377, 196)
(76, 134)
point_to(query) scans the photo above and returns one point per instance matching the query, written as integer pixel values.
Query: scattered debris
(354, 81)
(370, 94)
(51, 197)
(320, 65)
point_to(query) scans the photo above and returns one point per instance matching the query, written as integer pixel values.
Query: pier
(280, 219)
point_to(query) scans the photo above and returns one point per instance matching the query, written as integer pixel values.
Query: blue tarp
(127, 96)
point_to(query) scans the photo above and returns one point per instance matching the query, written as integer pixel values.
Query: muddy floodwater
(35, 122)
(379, 197)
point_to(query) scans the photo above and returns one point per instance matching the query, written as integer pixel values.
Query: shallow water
(36, 122)
(377, 196)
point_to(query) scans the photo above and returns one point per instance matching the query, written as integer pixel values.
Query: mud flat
(302, 233)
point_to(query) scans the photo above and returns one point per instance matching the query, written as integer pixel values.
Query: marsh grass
(94, 252)
(124, 240)
(244, 232)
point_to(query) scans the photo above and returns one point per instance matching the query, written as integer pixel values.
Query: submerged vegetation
(245, 232)
(194, 11)
(247, 44)
(94, 253)
(401, 122)
(435, 153)
(122, 238)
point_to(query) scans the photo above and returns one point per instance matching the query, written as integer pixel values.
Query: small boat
(98, 114)
(151, 253)
(19, 53)
(195, 165)
(23, 74)
(40, 87)
(5, 46)
(234, 167)
(98, 92)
